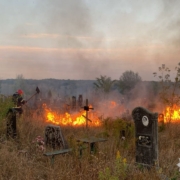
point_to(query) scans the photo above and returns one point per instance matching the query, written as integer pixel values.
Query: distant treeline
(145, 93)
(56, 87)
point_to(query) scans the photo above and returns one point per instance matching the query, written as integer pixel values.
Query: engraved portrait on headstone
(146, 134)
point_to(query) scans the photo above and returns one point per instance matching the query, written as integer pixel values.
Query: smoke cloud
(84, 39)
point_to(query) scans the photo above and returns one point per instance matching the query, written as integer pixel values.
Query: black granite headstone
(146, 133)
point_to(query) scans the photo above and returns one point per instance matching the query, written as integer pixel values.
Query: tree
(104, 84)
(168, 92)
(127, 81)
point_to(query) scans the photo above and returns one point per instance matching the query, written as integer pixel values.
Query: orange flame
(172, 114)
(75, 119)
(113, 104)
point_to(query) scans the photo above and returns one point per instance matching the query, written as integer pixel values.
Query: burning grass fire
(67, 119)
(172, 114)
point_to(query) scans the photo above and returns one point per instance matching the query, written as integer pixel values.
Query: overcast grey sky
(83, 39)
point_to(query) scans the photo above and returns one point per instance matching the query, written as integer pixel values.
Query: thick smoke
(72, 21)
(96, 37)
(115, 104)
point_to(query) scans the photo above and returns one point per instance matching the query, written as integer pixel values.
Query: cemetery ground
(22, 158)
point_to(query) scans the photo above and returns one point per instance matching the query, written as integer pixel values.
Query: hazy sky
(83, 39)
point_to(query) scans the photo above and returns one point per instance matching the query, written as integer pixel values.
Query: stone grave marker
(80, 100)
(11, 124)
(54, 138)
(73, 102)
(146, 134)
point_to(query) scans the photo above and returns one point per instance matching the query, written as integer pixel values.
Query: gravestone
(73, 102)
(11, 124)
(54, 138)
(80, 100)
(146, 134)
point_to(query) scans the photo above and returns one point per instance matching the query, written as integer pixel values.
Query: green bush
(4, 107)
(115, 126)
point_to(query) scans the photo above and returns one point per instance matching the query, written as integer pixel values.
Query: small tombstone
(73, 102)
(54, 138)
(80, 100)
(146, 133)
(11, 124)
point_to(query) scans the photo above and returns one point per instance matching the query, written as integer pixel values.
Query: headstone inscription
(146, 134)
(54, 138)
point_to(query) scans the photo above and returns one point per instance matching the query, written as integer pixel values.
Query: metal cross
(86, 108)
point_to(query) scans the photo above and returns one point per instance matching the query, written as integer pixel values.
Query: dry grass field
(21, 159)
